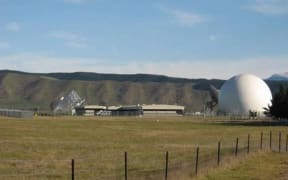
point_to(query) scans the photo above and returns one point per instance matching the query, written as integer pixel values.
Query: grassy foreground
(42, 148)
(264, 166)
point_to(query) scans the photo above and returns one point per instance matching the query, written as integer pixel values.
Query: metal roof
(162, 107)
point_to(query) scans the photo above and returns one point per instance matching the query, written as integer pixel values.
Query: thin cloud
(187, 18)
(74, 44)
(270, 7)
(72, 39)
(13, 27)
(34, 62)
(67, 35)
(223, 69)
(212, 37)
(184, 17)
(74, 1)
(4, 45)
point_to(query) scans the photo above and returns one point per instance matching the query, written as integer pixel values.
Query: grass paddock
(42, 148)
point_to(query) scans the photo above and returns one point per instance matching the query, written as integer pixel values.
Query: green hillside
(22, 90)
(28, 90)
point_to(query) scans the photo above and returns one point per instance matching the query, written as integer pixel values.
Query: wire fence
(189, 162)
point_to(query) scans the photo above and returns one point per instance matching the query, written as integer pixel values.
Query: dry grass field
(264, 166)
(42, 148)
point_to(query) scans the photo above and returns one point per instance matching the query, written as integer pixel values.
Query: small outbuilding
(16, 113)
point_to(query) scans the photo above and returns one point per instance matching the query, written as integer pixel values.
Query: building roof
(94, 107)
(162, 107)
(111, 108)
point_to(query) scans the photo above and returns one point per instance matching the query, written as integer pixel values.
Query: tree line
(279, 107)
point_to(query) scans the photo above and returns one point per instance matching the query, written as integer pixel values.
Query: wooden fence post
(261, 141)
(72, 170)
(286, 142)
(166, 166)
(218, 157)
(126, 171)
(197, 159)
(248, 144)
(236, 147)
(279, 141)
(270, 143)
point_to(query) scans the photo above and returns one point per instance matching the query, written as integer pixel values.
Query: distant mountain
(279, 77)
(30, 90)
(89, 76)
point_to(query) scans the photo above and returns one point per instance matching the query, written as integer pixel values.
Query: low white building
(131, 110)
(162, 110)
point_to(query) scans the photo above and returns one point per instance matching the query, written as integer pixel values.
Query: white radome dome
(243, 93)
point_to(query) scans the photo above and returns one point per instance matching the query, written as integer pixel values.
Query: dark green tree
(279, 107)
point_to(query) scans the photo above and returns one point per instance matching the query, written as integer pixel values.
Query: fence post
(279, 141)
(125, 159)
(197, 158)
(248, 144)
(261, 141)
(286, 142)
(218, 158)
(72, 170)
(166, 167)
(236, 147)
(270, 143)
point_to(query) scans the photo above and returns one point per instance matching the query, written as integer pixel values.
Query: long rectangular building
(132, 110)
(163, 109)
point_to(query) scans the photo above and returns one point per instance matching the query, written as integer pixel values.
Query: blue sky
(187, 38)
